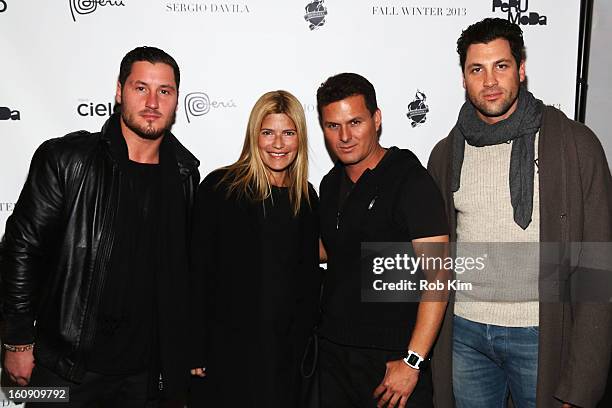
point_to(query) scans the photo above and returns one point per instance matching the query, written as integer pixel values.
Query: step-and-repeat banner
(60, 61)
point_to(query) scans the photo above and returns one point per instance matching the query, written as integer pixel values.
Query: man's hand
(322, 252)
(397, 385)
(19, 365)
(199, 372)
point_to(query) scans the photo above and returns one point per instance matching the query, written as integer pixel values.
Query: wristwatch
(414, 360)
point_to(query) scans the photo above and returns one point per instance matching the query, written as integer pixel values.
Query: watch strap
(414, 360)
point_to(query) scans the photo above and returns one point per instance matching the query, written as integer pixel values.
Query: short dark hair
(342, 86)
(149, 54)
(488, 30)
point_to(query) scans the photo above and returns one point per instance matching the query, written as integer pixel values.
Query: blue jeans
(489, 361)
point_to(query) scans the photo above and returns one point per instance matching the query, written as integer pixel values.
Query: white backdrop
(60, 60)
(599, 104)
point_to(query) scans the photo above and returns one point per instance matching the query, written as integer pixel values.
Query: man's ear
(377, 119)
(118, 93)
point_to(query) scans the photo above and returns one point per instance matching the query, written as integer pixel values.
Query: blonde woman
(255, 253)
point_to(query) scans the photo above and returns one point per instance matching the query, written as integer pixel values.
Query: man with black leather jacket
(94, 261)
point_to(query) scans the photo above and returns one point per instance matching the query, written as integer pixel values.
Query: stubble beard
(148, 132)
(492, 111)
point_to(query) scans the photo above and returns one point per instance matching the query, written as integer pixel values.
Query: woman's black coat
(252, 338)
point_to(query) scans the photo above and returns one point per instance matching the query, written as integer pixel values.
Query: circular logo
(196, 104)
(83, 6)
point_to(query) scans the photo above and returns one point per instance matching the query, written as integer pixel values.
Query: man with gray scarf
(517, 172)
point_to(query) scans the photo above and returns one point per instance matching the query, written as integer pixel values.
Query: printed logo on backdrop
(517, 11)
(309, 107)
(419, 11)
(211, 8)
(199, 104)
(84, 7)
(6, 403)
(92, 109)
(418, 109)
(7, 207)
(315, 14)
(7, 113)
(3, 6)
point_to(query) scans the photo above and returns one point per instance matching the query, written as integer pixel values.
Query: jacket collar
(391, 156)
(111, 135)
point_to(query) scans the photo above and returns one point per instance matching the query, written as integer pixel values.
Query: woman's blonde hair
(249, 176)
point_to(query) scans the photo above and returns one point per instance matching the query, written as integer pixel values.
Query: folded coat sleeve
(30, 236)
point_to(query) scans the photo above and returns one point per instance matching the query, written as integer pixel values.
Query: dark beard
(493, 113)
(147, 132)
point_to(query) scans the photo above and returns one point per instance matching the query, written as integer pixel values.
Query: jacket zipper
(103, 256)
(347, 198)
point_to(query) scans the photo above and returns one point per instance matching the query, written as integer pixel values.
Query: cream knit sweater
(505, 292)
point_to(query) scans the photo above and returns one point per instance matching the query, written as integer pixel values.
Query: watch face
(413, 359)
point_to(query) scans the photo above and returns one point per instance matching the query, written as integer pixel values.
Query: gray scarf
(520, 127)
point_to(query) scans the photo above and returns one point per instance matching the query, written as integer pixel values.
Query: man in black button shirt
(371, 353)
(94, 259)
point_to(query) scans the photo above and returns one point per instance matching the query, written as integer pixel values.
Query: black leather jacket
(58, 241)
